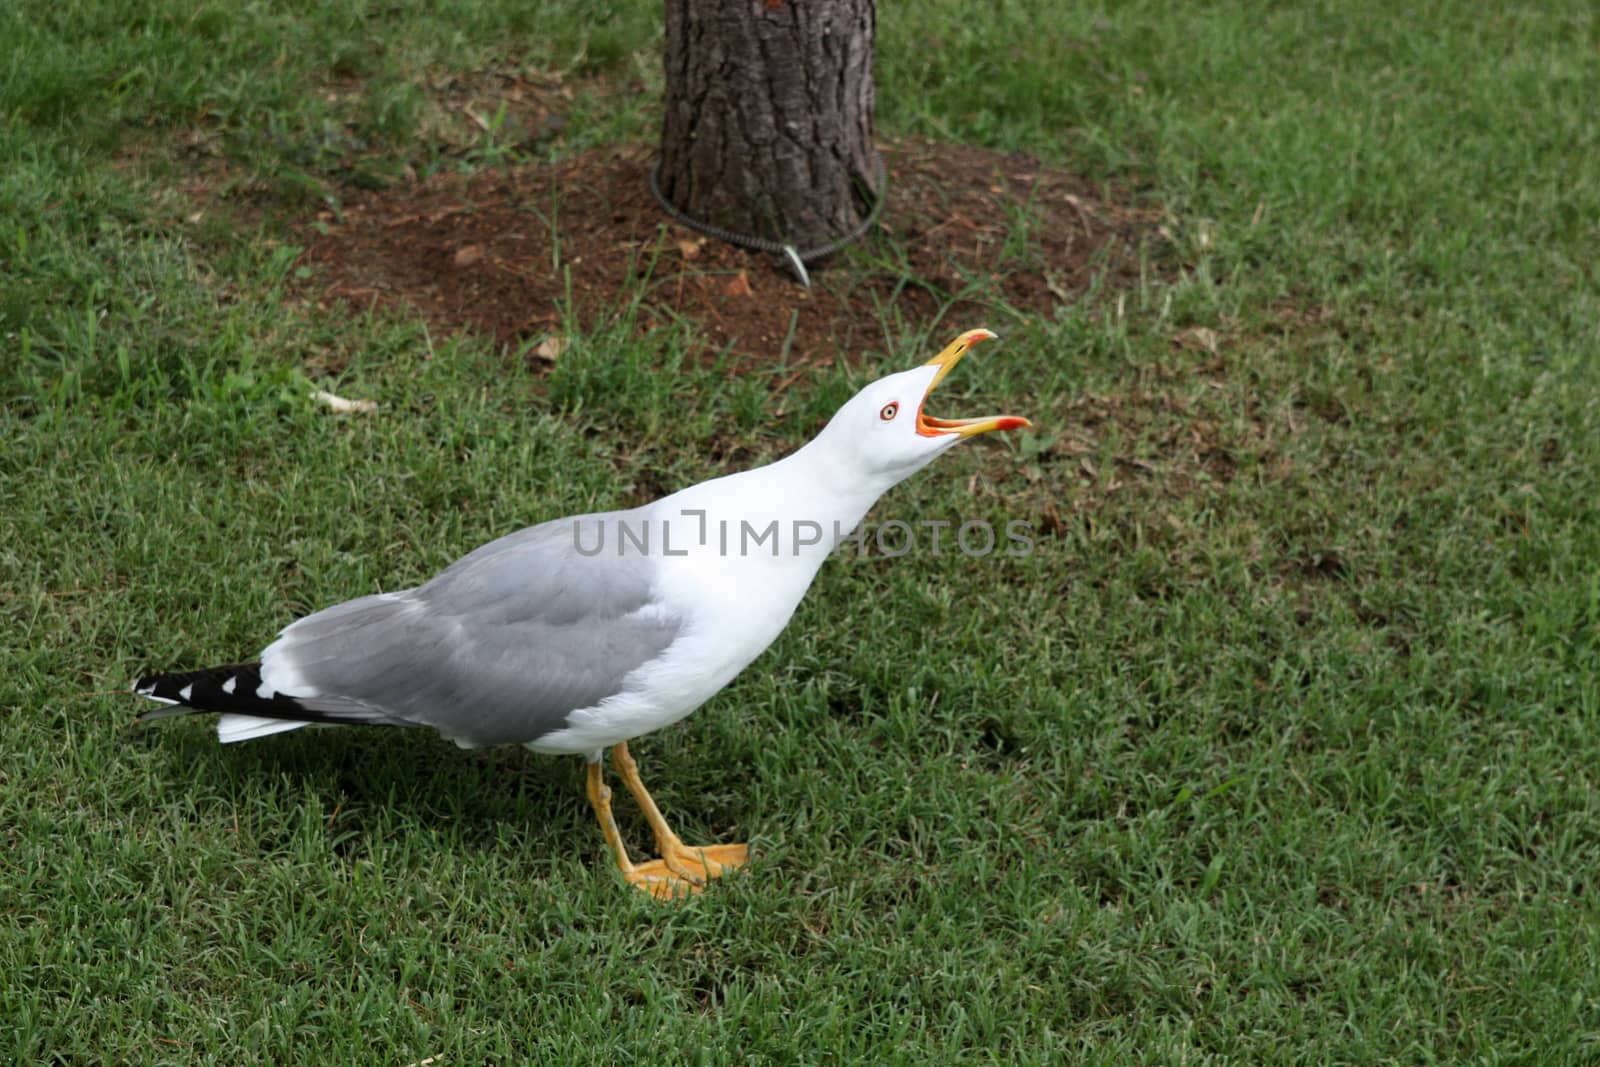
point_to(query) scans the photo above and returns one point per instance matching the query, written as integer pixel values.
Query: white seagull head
(884, 433)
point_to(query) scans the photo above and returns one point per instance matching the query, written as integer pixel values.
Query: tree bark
(768, 125)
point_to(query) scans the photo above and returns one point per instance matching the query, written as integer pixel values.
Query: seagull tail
(248, 708)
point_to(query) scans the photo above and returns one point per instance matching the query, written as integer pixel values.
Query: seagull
(581, 633)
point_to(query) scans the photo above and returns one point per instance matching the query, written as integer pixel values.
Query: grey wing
(498, 648)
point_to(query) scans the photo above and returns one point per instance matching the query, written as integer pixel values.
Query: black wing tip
(231, 687)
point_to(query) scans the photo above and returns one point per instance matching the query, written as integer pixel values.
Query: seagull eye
(889, 411)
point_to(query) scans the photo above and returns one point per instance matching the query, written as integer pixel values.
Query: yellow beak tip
(960, 347)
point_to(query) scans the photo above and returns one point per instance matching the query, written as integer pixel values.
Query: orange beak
(928, 426)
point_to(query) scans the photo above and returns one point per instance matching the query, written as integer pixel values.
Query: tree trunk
(768, 127)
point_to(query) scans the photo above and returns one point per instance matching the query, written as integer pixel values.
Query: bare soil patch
(509, 253)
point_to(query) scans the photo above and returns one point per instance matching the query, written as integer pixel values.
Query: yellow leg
(662, 884)
(692, 864)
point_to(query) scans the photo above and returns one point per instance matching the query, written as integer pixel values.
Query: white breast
(734, 608)
(735, 594)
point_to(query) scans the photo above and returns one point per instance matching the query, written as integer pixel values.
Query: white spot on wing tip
(227, 687)
(183, 694)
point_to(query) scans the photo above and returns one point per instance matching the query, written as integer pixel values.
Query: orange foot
(686, 869)
(682, 869)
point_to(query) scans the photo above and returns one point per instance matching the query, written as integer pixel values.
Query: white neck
(812, 496)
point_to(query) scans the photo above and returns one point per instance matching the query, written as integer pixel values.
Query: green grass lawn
(1280, 748)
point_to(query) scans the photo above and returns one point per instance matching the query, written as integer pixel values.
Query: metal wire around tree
(796, 258)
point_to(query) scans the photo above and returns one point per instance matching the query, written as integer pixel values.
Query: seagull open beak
(928, 426)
